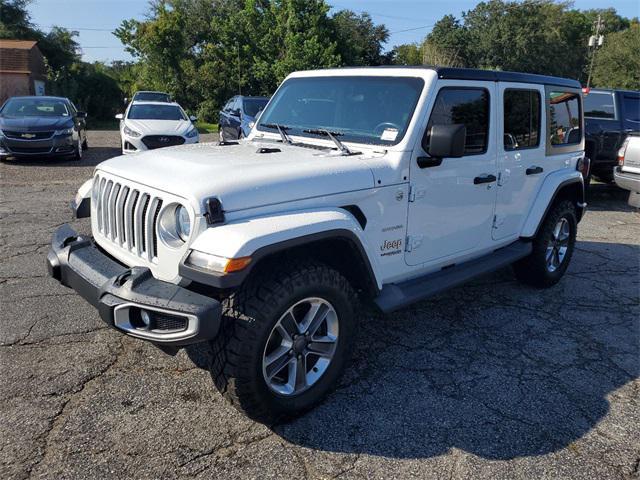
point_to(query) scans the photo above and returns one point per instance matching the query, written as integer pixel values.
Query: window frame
(550, 149)
(456, 87)
(615, 106)
(522, 89)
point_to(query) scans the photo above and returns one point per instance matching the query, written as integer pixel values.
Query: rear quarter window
(564, 122)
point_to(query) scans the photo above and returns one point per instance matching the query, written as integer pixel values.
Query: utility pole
(595, 41)
(239, 71)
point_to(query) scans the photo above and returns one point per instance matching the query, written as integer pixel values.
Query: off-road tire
(249, 316)
(532, 270)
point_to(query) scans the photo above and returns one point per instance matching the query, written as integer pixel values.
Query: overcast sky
(408, 21)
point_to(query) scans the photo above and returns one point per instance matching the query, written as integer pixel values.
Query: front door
(451, 204)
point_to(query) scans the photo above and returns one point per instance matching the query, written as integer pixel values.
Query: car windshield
(35, 107)
(361, 109)
(151, 97)
(155, 112)
(253, 105)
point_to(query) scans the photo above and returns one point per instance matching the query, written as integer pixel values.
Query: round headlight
(183, 223)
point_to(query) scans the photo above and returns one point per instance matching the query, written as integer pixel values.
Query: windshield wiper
(281, 130)
(344, 150)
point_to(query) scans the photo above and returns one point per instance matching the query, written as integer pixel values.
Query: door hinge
(415, 193)
(412, 242)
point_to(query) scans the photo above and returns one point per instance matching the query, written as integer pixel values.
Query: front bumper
(57, 145)
(124, 295)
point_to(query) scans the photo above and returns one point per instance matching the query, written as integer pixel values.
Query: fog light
(145, 317)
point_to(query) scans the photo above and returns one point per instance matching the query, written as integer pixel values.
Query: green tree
(617, 63)
(407, 54)
(359, 41)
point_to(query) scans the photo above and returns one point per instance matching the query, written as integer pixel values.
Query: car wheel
(552, 248)
(285, 339)
(77, 156)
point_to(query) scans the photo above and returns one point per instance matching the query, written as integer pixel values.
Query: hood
(241, 177)
(34, 124)
(159, 127)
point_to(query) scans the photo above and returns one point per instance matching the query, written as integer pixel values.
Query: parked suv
(383, 185)
(610, 116)
(237, 117)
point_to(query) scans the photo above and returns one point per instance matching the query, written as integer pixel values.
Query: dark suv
(609, 117)
(238, 116)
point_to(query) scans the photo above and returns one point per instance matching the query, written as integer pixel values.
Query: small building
(22, 69)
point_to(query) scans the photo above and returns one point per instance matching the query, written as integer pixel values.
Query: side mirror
(120, 116)
(82, 114)
(236, 112)
(193, 118)
(446, 141)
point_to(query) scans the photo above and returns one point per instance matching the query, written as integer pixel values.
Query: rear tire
(77, 155)
(243, 367)
(552, 248)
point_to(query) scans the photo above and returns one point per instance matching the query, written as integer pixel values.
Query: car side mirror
(236, 112)
(193, 118)
(119, 116)
(446, 141)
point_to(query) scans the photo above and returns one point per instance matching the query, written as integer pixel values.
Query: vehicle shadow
(90, 158)
(607, 197)
(494, 368)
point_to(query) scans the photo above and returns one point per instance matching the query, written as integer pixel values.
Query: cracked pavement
(490, 380)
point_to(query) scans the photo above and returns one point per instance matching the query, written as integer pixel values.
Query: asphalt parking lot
(491, 380)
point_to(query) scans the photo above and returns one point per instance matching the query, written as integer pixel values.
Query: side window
(631, 108)
(229, 105)
(237, 105)
(521, 119)
(468, 106)
(564, 118)
(73, 108)
(599, 105)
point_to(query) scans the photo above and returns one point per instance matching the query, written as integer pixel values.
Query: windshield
(156, 112)
(253, 105)
(151, 97)
(373, 110)
(35, 107)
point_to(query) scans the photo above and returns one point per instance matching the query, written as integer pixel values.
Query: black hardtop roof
(451, 73)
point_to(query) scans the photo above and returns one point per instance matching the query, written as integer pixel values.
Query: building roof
(17, 44)
(21, 56)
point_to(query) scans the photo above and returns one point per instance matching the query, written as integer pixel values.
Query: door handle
(534, 170)
(427, 162)
(484, 179)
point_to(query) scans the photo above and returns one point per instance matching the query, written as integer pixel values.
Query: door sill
(397, 295)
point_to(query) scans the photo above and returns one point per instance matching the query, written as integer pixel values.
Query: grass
(204, 127)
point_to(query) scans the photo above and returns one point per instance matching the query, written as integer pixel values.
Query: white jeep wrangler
(380, 184)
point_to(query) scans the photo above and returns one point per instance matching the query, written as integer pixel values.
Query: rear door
(451, 204)
(521, 155)
(602, 121)
(630, 112)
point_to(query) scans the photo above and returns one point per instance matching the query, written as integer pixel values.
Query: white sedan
(149, 125)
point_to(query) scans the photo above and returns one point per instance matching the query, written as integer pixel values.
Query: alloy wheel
(558, 245)
(300, 347)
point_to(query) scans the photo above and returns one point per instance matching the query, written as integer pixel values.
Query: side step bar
(395, 296)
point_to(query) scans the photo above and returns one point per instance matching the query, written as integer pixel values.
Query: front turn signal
(216, 263)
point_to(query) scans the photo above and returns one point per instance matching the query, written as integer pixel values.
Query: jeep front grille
(128, 216)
